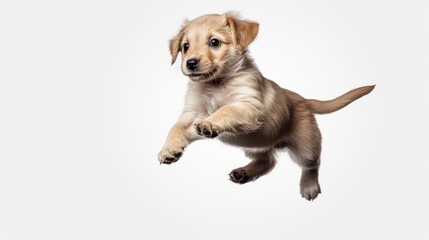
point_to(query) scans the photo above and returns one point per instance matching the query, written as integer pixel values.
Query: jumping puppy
(228, 98)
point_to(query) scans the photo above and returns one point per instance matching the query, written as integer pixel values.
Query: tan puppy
(228, 98)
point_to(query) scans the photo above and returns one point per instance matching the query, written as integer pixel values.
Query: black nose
(192, 63)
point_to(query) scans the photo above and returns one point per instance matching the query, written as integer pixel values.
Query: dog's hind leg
(261, 164)
(305, 148)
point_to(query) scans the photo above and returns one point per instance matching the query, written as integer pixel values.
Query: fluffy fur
(228, 98)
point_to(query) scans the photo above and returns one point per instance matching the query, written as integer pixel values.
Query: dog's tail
(323, 107)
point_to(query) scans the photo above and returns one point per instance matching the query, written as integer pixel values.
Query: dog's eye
(214, 42)
(185, 47)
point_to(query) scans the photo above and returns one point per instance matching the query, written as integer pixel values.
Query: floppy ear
(176, 43)
(243, 31)
(175, 47)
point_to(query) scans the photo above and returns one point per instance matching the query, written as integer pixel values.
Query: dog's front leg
(181, 135)
(236, 118)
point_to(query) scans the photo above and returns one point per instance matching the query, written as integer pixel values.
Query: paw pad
(239, 176)
(206, 129)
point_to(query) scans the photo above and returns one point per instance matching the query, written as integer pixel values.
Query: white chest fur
(214, 98)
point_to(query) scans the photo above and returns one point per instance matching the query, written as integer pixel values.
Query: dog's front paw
(207, 129)
(171, 152)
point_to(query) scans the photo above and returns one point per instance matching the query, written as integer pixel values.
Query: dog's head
(212, 45)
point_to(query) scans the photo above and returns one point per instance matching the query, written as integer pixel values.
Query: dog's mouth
(199, 75)
(202, 76)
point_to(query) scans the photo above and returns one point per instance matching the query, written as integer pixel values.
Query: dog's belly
(272, 134)
(255, 140)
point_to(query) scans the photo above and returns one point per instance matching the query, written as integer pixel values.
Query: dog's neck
(244, 65)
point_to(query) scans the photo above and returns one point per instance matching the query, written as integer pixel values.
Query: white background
(88, 96)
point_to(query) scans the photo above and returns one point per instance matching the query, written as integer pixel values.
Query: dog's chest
(213, 100)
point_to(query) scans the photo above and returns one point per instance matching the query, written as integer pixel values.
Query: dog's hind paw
(310, 191)
(240, 176)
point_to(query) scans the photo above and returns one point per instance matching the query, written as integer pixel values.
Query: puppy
(229, 99)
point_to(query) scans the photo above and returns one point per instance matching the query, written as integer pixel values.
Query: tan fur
(228, 98)
(243, 32)
(322, 107)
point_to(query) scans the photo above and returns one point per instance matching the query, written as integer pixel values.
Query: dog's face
(212, 45)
